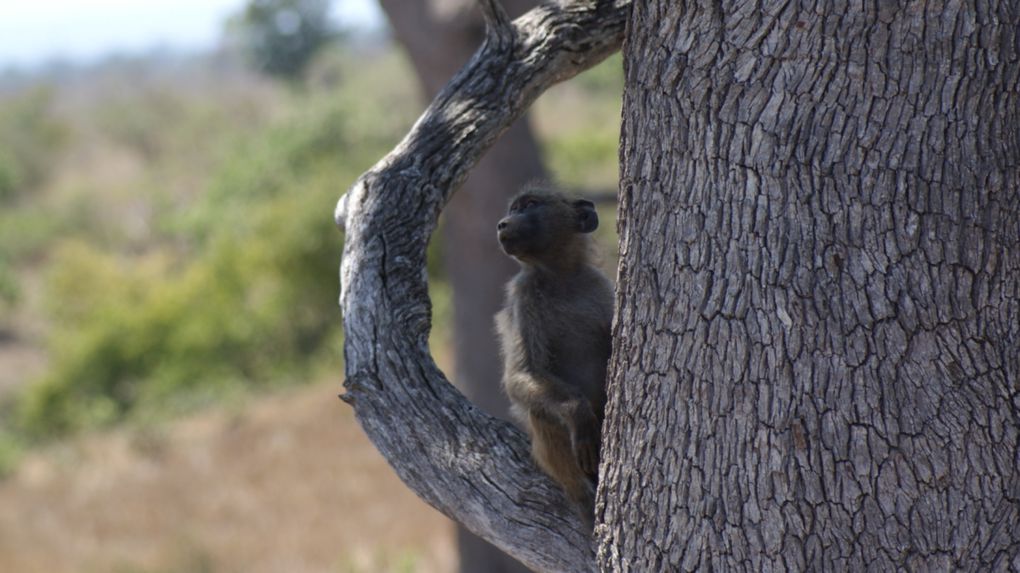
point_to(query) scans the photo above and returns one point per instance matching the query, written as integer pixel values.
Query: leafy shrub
(28, 231)
(338, 138)
(251, 301)
(10, 451)
(9, 290)
(29, 138)
(578, 124)
(147, 333)
(10, 177)
(584, 158)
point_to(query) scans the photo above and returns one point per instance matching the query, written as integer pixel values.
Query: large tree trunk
(817, 357)
(440, 36)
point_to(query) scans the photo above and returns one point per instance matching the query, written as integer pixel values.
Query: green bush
(335, 138)
(579, 127)
(10, 452)
(169, 126)
(252, 301)
(30, 136)
(9, 177)
(240, 290)
(584, 158)
(29, 231)
(9, 290)
(153, 333)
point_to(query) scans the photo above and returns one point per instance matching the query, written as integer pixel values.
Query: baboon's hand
(586, 437)
(586, 450)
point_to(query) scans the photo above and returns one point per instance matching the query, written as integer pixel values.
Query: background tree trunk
(439, 37)
(816, 350)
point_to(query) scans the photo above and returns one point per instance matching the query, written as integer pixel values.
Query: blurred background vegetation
(166, 233)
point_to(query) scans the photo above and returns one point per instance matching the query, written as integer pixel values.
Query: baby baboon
(555, 337)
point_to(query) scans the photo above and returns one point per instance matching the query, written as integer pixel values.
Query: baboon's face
(537, 224)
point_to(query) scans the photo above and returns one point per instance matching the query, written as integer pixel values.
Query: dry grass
(289, 483)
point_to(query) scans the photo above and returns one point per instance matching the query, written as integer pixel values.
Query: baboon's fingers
(587, 453)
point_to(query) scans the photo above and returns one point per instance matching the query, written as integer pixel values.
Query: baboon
(555, 336)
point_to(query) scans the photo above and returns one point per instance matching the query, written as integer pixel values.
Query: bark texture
(439, 37)
(817, 350)
(472, 467)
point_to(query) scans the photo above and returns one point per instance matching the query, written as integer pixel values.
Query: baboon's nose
(501, 225)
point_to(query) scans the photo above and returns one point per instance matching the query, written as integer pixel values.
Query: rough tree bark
(439, 36)
(817, 361)
(468, 465)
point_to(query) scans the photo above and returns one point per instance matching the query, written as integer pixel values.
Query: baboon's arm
(544, 395)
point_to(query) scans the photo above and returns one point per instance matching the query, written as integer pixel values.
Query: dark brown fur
(555, 337)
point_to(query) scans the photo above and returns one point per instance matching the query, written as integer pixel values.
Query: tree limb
(497, 22)
(473, 468)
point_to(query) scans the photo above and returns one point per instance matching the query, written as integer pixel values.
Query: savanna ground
(282, 482)
(169, 335)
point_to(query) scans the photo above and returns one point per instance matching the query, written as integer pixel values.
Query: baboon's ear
(587, 218)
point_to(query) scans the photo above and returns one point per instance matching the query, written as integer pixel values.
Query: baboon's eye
(528, 204)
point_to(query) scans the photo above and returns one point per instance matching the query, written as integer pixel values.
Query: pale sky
(35, 31)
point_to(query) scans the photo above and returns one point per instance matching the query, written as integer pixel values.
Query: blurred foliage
(32, 229)
(10, 452)
(135, 119)
(141, 333)
(579, 127)
(29, 140)
(249, 302)
(382, 560)
(341, 136)
(603, 84)
(9, 290)
(584, 158)
(139, 120)
(280, 37)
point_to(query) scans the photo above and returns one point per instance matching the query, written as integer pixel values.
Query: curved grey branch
(497, 22)
(473, 468)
